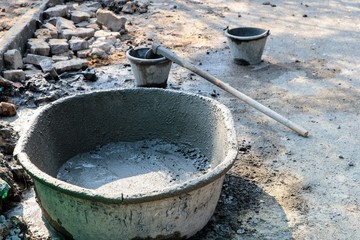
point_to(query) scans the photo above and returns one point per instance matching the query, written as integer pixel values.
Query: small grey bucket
(247, 44)
(148, 72)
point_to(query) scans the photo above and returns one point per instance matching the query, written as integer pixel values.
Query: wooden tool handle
(158, 49)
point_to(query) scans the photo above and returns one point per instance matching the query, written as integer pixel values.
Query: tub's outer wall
(176, 217)
(80, 123)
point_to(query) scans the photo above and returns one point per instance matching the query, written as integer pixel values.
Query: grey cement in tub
(134, 167)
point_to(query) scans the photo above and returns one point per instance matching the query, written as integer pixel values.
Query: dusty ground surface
(282, 186)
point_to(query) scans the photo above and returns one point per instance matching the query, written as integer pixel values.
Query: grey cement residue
(134, 167)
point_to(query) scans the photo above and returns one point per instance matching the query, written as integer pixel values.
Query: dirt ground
(282, 186)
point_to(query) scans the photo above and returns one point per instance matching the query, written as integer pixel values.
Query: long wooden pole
(158, 49)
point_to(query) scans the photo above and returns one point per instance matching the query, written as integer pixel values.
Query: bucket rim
(44, 178)
(133, 59)
(247, 38)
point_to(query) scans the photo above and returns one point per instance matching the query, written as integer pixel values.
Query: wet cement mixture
(135, 167)
(282, 186)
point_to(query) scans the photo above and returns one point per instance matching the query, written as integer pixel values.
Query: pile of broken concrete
(68, 37)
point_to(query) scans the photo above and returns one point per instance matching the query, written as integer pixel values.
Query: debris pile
(70, 34)
(128, 7)
(71, 38)
(13, 228)
(13, 180)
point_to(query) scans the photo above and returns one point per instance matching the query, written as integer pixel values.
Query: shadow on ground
(234, 216)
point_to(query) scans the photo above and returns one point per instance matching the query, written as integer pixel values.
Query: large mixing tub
(80, 123)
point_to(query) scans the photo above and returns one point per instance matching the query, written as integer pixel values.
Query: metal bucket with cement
(80, 123)
(247, 44)
(148, 72)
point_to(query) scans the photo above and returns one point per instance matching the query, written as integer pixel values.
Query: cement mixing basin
(129, 164)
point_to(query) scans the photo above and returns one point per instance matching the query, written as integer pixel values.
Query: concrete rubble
(70, 65)
(110, 20)
(45, 63)
(68, 37)
(17, 75)
(85, 33)
(13, 59)
(38, 46)
(128, 7)
(77, 44)
(80, 16)
(58, 46)
(57, 11)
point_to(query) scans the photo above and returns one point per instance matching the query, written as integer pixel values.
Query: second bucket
(150, 71)
(247, 44)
